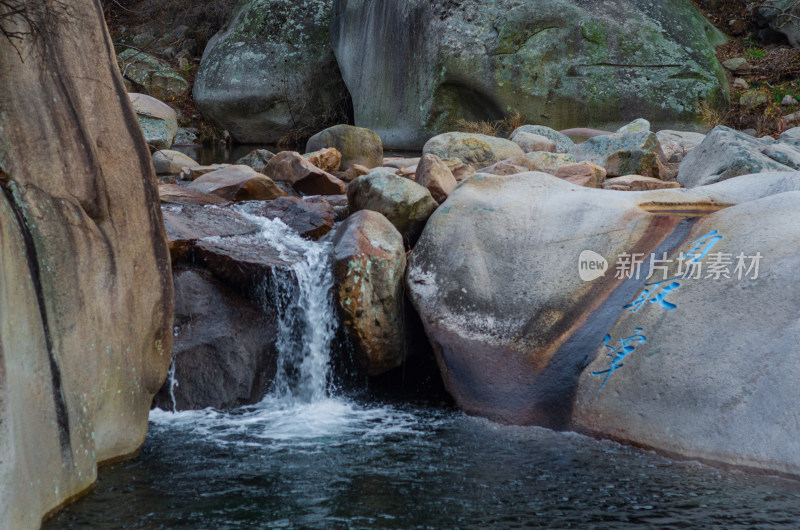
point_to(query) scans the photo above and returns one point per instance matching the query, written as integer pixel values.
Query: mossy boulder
(563, 63)
(356, 145)
(271, 70)
(406, 204)
(476, 150)
(156, 77)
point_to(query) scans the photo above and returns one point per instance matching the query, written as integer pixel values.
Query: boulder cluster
(486, 239)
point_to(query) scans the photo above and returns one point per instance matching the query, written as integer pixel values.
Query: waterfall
(306, 319)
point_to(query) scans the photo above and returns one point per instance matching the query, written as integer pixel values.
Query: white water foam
(300, 408)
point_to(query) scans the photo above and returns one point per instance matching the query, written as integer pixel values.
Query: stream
(312, 456)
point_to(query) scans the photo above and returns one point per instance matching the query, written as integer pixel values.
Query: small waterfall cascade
(307, 324)
(306, 318)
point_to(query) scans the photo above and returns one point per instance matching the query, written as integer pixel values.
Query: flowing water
(308, 456)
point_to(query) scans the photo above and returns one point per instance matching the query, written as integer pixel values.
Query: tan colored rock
(460, 170)
(168, 162)
(175, 194)
(548, 162)
(238, 183)
(305, 177)
(409, 172)
(539, 161)
(512, 166)
(86, 299)
(192, 173)
(531, 143)
(587, 174)
(436, 176)
(638, 183)
(328, 159)
(353, 173)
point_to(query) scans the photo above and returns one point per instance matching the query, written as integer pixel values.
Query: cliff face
(85, 284)
(414, 68)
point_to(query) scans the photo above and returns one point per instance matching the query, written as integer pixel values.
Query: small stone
(353, 173)
(168, 162)
(437, 177)
(753, 98)
(460, 170)
(304, 176)
(256, 159)
(328, 159)
(238, 183)
(738, 65)
(740, 84)
(531, 143)
(586, 174)
(637, 183)
(789, 100)
(640, 125)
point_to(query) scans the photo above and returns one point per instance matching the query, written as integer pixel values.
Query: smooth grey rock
(738, 65)
(725, 153)
(168, 162)
(271, 70)
(157, 120)
(405, 203)
(564, 64)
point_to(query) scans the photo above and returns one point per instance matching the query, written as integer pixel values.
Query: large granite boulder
(158, 121)
(271, 70)
(406, 204)
(85, 284)
(549, 322)
(224, 353)
(562, 63)
(369, 261)
(727, 153)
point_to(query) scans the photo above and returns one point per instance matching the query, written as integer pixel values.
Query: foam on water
(275, 423)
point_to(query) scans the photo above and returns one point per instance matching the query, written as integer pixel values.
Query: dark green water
(338, 464)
